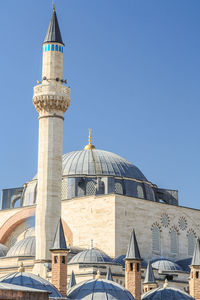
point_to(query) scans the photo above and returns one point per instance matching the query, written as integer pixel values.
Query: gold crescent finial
(90, 146)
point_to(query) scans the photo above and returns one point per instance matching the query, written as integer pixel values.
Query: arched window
(140, 192)
(49, 47)
(155, 239)
(90, 188)
(52, 47)
(60, 50)
(191, 243)
(56, 47)
(174, 241)
(81, 188)
(118, 188)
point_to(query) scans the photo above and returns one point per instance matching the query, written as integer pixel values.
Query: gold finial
(90, 146)
(53, 5)
(21, 268)
(98, 275)
(165, 285)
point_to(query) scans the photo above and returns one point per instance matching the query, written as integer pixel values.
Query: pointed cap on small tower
(109, 275)
(53, 32)
(196, 254)
(59, 239)
(133, 249)
(149, 277)
(72, 281)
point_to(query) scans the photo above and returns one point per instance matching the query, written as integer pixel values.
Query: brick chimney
(59, 253)
(133, 268)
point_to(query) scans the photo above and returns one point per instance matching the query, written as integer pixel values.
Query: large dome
(100, 289)
(97, 163)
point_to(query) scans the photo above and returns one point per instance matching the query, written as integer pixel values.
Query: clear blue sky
(134, 71)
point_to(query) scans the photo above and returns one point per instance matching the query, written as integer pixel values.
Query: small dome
(25, 247)
(90, 256)
(99, 289)
(166, 293)
(32, 281)
(121, 261)
(3, 250)
(163, 264)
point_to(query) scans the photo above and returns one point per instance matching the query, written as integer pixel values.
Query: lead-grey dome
(166, 293)
(163, 264)
(99, 289)
(97, 163)
(25, 247)
(3, 250)
(32, 281)
(90, 256)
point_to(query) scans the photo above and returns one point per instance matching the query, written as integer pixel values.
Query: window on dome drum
(64, 189)
(56, 47)
(90, 188)
(131, 266)
(140, 192)
(156, 239)
(191, 243)
(81, 188)
(174, 241)
(16, 203)
(55, 259)
(52, 47)
(118, 188)
(49, 47)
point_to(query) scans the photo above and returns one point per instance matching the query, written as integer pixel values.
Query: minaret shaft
(49, 183)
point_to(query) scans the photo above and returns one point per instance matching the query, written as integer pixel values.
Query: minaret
(59, 260)
(133, 268)
(194, 281)
(149, 281)
(51, 99)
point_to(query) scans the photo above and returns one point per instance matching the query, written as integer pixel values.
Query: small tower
(59, 260)
(194, 281)
(133, 268)
(51, 99)
(149, 281)
(72, 281)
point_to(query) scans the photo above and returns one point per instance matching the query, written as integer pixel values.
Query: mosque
(71, 224)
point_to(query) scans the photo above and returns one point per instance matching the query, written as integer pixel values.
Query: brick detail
(59, 270)
(133, 277)
(194, 282)
(149, 286)
(23, 295)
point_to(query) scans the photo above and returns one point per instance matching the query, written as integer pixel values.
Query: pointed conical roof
(149, 277)
(53, 32)
(59, 239)
(109, 275)
(196, 254)
(133, 249)
(72, 281)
